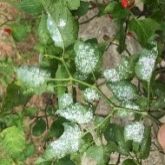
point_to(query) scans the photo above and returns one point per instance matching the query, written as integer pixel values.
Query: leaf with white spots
(91, 95)
(68, 143)
(33, 78)
(131, 105)
(65, 100)
(134, 131)
(76, 113)
(61, 25)
(146, 64)
(128, 109)
(123, 72)
(123, 90)
(87, 57)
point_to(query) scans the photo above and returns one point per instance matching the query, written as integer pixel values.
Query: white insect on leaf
(76, 113)
(134, 131)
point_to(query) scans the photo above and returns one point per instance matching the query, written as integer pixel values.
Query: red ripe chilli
(124, 3)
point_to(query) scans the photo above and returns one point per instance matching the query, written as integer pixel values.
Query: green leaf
(14, 96)
(13, 120)
(111, 147)
(73, 5)
(6, 72)
(110, 7)
(83, 9)
(29, 151)
(144, 29)
(96, 153)
(12, 141)
(110, 132)
(20, 31)
(65, 161)
(129, 162)
(115, 9)
(61, 25)
(39, 127)
(114, 135)
(30, 111)
(87, 56)
(43, 33)
(146, 144)
(123, 146)
(30, 6)
(6, 161)
(57, 128)
(123, 90)
(146, 64)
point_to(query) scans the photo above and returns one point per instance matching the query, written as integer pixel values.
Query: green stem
(66, 67)
(82, 83)
(148, 92)
(53, 57)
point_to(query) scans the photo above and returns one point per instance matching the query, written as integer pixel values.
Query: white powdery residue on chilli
(68, 143)
(76, 113)
(147, 64)
(65, 100)
(111, 75)
(91, 95)
(32, 76)
(134, 131)
(54, 32)
(86, 59)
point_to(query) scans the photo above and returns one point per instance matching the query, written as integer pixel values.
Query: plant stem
(148, 96)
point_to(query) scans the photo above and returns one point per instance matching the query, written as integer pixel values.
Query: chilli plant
(69, 76)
